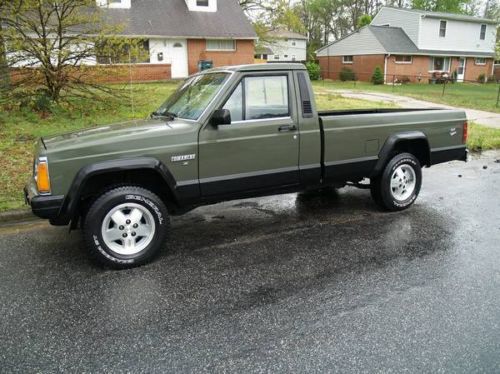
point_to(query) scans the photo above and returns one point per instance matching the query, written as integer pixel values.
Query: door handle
(284, 128)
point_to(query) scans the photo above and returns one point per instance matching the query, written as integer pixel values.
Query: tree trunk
(4, 67)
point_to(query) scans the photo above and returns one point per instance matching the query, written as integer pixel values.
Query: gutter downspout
(385, 67)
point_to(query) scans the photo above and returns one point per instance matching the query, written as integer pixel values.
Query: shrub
(492, 79)
(454, 76)
(378, 76)
(481, 78)
(347, 74)
(314, 70)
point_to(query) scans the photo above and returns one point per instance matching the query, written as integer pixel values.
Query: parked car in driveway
(230, 133)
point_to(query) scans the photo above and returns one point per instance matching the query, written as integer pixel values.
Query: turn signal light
(465, 132)
(42, 177)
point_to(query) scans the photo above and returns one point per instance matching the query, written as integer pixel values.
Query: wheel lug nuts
(121, 227)
(127, 222)
(135, 225)
(133, 233)
(124, 235)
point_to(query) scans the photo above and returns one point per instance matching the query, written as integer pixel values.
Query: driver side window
(259, 98)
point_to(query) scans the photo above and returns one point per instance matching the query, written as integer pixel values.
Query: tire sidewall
(99, 210)
(385, 188)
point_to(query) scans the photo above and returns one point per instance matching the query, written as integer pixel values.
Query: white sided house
(283, 45)
(415, 45)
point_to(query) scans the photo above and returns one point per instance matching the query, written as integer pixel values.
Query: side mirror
(221, 117)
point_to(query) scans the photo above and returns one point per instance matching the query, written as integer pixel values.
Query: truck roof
(260, 67)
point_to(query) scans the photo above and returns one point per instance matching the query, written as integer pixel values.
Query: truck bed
(353, 139)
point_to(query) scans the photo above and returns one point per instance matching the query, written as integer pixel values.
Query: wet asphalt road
(317, 282)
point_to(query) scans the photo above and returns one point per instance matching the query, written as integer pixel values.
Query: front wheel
(126, 227)
(399, 185)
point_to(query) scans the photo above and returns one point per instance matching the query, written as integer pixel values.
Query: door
(259, 150)
(461, 69)
(179, 67)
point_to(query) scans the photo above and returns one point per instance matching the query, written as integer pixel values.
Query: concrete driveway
(292, 283)
(484, 118)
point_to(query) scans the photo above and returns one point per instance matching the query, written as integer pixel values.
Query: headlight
(41, 174)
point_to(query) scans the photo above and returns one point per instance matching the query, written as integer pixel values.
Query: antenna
(130, 82)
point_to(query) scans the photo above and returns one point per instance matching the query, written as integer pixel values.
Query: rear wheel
(399, 185)
(126, 227)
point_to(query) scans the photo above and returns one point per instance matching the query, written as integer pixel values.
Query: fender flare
(390, 144)
(70, 203)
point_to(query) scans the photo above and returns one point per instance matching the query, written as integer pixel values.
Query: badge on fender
(183, 157)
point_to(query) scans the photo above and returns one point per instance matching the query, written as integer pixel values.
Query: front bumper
(43, 206)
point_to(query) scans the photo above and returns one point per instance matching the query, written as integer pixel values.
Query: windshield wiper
(169, 115)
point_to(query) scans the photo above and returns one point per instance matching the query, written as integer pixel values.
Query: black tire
(386, 196)
(154, 217)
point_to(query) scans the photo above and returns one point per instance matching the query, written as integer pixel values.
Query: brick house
(414, 45)
(177, 34)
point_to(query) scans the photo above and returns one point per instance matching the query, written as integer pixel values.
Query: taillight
(465, 132)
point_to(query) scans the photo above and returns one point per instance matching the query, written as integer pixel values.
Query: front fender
(70, 203)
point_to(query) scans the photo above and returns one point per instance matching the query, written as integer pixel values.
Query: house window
(293, 43)
(482, 35)
(276, 57)
(442, 29)
(201, 2)
(440, 63)
(285, 56)
(403, 59)
(480, 61)
(220, 45)
(347, 59)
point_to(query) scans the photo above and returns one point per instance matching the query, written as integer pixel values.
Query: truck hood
(115, 133)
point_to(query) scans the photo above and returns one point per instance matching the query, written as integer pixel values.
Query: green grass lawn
(19, 130)
(467, 95)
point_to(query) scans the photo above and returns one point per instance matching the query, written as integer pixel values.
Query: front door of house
(461, 69)
(179, 65)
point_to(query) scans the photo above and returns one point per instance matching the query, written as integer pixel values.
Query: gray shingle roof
(173, 19)
(393, 39)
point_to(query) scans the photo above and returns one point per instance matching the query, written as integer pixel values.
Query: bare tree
(49, 43)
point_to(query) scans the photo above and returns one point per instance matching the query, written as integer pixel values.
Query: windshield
(192, 96)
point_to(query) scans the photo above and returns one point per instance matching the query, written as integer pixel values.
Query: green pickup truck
(229, 133)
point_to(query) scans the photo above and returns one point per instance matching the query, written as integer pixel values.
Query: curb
(16, 215)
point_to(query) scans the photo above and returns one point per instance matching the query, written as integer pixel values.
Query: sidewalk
(481, 117)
